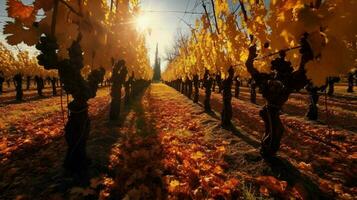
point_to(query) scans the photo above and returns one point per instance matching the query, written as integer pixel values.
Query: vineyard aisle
(166, 147)
(326, 155)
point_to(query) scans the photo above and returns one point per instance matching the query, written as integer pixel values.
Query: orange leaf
(173, 185)
(304, 166)
(197, 155)
(264, 191)
(18, 34)
(231, 184)
(16, 9)
(218, 170)
(273, 184)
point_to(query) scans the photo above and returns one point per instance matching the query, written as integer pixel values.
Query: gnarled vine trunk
(274, 130)
(219, 82)
(18, 86)
(54, 89)
(214, 85)
(39, 85)
(78, 125)
(276, 88)
(8, 83)
(129, 89)
(196, 83)
(253, 94)
(312, 113)
(331, 88)
(118, 78)
(28, 82)
(331, 84)
(2, 79)
(182, 86)
(226, 114)
(127, 92)
(208, 81)
(76, 133)
(189, 91)
(350, 80)
(115, 101)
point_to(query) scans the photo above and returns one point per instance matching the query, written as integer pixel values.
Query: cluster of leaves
(270, 185)
(197, 169)
(138, 174)
(22, 64)
(107, 31)
(330, 25)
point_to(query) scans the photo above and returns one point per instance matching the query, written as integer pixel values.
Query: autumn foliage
(161, 145)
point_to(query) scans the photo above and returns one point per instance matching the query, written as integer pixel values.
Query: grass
(249, 193)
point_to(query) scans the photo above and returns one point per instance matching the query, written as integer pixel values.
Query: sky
(166, 25)
(157, 15)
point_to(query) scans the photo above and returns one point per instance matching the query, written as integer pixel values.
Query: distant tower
(157, 67)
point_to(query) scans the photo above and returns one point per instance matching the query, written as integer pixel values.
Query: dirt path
(195, 158)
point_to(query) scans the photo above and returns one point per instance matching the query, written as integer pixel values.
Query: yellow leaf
(197, 155)
(173, 185)
(305, 166)
(218, 170)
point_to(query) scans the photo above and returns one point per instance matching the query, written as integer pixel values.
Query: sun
(142, 22)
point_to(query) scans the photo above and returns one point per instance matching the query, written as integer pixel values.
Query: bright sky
(165, 25)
